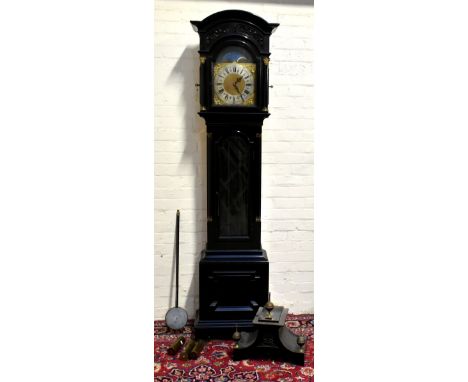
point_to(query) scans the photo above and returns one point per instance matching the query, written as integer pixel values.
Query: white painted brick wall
(180, 152)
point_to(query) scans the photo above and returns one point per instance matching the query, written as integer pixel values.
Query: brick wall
(287, 161)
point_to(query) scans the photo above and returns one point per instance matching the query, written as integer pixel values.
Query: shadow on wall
(187, 69)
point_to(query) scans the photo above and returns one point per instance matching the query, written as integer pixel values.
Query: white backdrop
(287, 162)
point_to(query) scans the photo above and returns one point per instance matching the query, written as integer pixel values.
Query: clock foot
(270, 339)
(278, 344)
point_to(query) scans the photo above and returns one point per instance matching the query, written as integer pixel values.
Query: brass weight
(185, 354)
(197, 349)
(176, 345)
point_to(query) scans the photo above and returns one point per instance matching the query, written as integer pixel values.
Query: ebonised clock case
(233, 269)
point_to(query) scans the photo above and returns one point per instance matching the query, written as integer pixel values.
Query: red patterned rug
(215, 363)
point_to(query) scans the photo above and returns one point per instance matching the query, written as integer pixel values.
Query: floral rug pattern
(215, 362)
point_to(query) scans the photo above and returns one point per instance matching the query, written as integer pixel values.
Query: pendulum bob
(176, 345)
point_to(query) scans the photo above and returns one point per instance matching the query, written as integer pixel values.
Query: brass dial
(234, 84)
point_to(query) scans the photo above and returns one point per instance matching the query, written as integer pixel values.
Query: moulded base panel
(233, 255)
(233, 285)
(220, 328)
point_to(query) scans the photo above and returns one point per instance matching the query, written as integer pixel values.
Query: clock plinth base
(270, 339)
(233, 285)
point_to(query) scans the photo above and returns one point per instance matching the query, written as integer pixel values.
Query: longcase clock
(233, 269)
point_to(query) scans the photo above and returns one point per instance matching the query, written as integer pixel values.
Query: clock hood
(234, 24)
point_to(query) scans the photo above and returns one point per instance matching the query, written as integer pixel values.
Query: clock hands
(235, 87)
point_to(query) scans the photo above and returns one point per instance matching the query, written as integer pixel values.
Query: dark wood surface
(233, 270)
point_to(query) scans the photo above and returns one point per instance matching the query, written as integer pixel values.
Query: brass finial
(301, 342)
(269, 307)
(236, 337)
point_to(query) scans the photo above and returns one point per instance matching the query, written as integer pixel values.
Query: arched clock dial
(234, 84)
